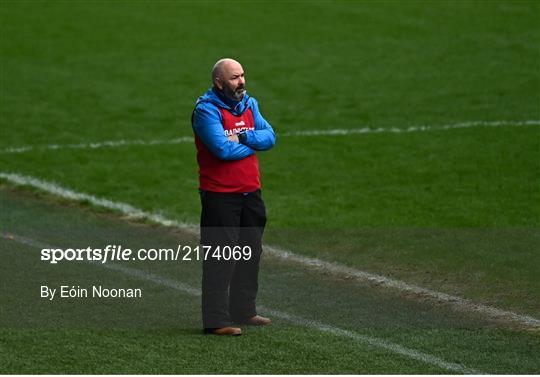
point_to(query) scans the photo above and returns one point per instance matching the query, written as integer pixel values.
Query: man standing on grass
(229, 129)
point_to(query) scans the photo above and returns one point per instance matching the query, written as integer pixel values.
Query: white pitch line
(374, 342)
(333, 268)
(341, 270)
(296, 320)
(396, 130)
(331, 132)
(96, 145)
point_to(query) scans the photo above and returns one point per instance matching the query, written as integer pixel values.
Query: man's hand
(234, 138)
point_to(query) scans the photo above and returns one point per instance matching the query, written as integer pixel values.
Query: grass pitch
(160, 333)
(452, 210)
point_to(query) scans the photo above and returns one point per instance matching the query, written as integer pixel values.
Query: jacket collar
(213, 96)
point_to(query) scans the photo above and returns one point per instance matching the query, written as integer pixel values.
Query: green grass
(160, 332)
(366, 208)
(456, 210)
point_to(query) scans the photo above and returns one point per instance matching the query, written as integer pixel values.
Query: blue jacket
(207, 125)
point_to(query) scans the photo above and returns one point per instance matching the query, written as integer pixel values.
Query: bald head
(228, 78)
(224, 65)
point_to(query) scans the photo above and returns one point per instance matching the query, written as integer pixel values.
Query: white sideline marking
(101, 144)
(299, 321)
(396, 130)
(375, 342)
(333, 268)
(332, 132)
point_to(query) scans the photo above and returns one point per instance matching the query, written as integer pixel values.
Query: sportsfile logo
(117, 253)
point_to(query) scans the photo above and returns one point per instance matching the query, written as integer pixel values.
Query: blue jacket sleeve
(207, 126)
(263, 137)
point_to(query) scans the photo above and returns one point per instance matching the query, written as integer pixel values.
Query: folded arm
(207, 126)
(262, 137)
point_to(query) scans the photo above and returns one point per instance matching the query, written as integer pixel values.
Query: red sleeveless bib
(238, 176)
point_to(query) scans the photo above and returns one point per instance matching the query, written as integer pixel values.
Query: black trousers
(229, 287)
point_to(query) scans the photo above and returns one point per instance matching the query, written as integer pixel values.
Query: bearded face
(232, 81)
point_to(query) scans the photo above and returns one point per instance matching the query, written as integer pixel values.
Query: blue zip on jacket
(207, 125)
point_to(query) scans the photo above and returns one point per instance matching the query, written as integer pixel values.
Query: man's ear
(218, 83)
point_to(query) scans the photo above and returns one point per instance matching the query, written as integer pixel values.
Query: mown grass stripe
(285, 255)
